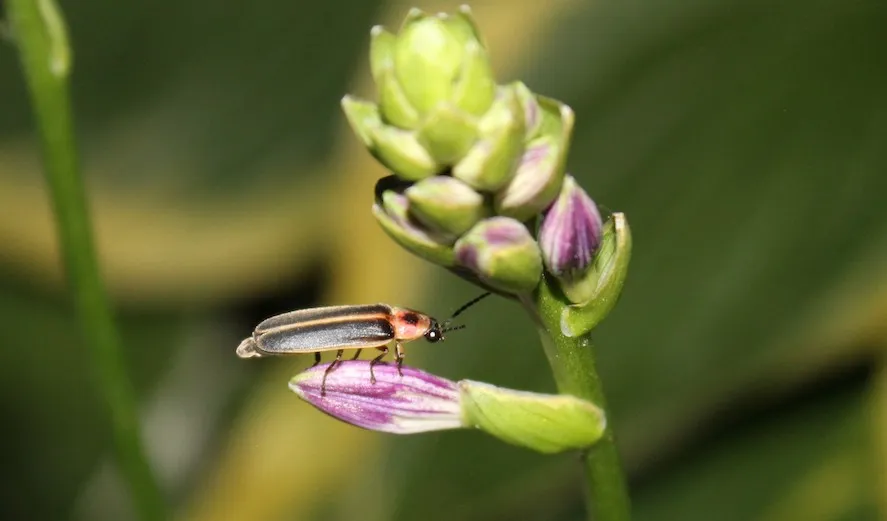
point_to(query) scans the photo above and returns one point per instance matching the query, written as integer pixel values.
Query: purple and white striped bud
(501, 252)
(571, 232)
(588, 258)
(421, 402)
(540, 172)
(416, 402)
(596, 292)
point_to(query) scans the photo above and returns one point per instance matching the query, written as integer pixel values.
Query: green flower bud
(501, 252)
(602, 284)
(542, 422)
(493, 160)
(463, 26)
(362, 115)
(437, 57)
(538, 178)
(427, 60)
(435, 86)
(393, 103)
(397, 149)
(532, 112)
(446, 204)
(447, 134)
(401, 152)
(393, 215)
(381, 51)
(475, 90)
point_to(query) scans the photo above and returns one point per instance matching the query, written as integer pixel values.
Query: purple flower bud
(501, 252)
(421, 402)
(571, 231)
(416, 402)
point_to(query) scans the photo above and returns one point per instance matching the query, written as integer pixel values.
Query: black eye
(432, 336)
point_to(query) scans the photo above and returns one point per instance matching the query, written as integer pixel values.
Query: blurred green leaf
(200, 93)
(812, 464)
(203, 130)
(57, 428)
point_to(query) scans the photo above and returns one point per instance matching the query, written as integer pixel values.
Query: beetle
(337, 328)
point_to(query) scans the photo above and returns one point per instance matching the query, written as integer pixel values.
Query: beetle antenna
(466, 306)
(454, 328)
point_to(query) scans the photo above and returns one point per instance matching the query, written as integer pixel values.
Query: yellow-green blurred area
(744, 365)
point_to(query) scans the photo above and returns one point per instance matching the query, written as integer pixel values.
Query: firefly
(339, 328)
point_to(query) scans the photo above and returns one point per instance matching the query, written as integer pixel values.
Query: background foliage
(744, 364)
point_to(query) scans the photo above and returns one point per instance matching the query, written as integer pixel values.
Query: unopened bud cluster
(478, 162)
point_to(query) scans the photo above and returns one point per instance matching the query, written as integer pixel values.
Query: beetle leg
(316, 358)
(398, 355)
(357, 354)
(375, 361)
(329, 369)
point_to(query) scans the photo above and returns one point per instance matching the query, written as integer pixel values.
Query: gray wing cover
(320, 329)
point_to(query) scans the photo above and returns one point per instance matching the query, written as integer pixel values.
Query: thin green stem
(39, 31)
(573, 365)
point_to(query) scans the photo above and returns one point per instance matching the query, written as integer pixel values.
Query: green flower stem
(572, 363)
(39, 32)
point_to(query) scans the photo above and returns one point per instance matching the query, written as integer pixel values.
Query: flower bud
(418, 402)
(446, 204)
(463, 26)
(393, 103)
(540, 173)
(397, 149)
(393, 216)
(362, 115)
(535, 183)
(493, 160)
(570, 235)
(501, 252)
(475, 90)
(381, 52)
(447, 133)
(543, 422)
(439, 59)
(400, 151)
(598, 290)
(435, 87)
(532, 112)
(427, 60)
